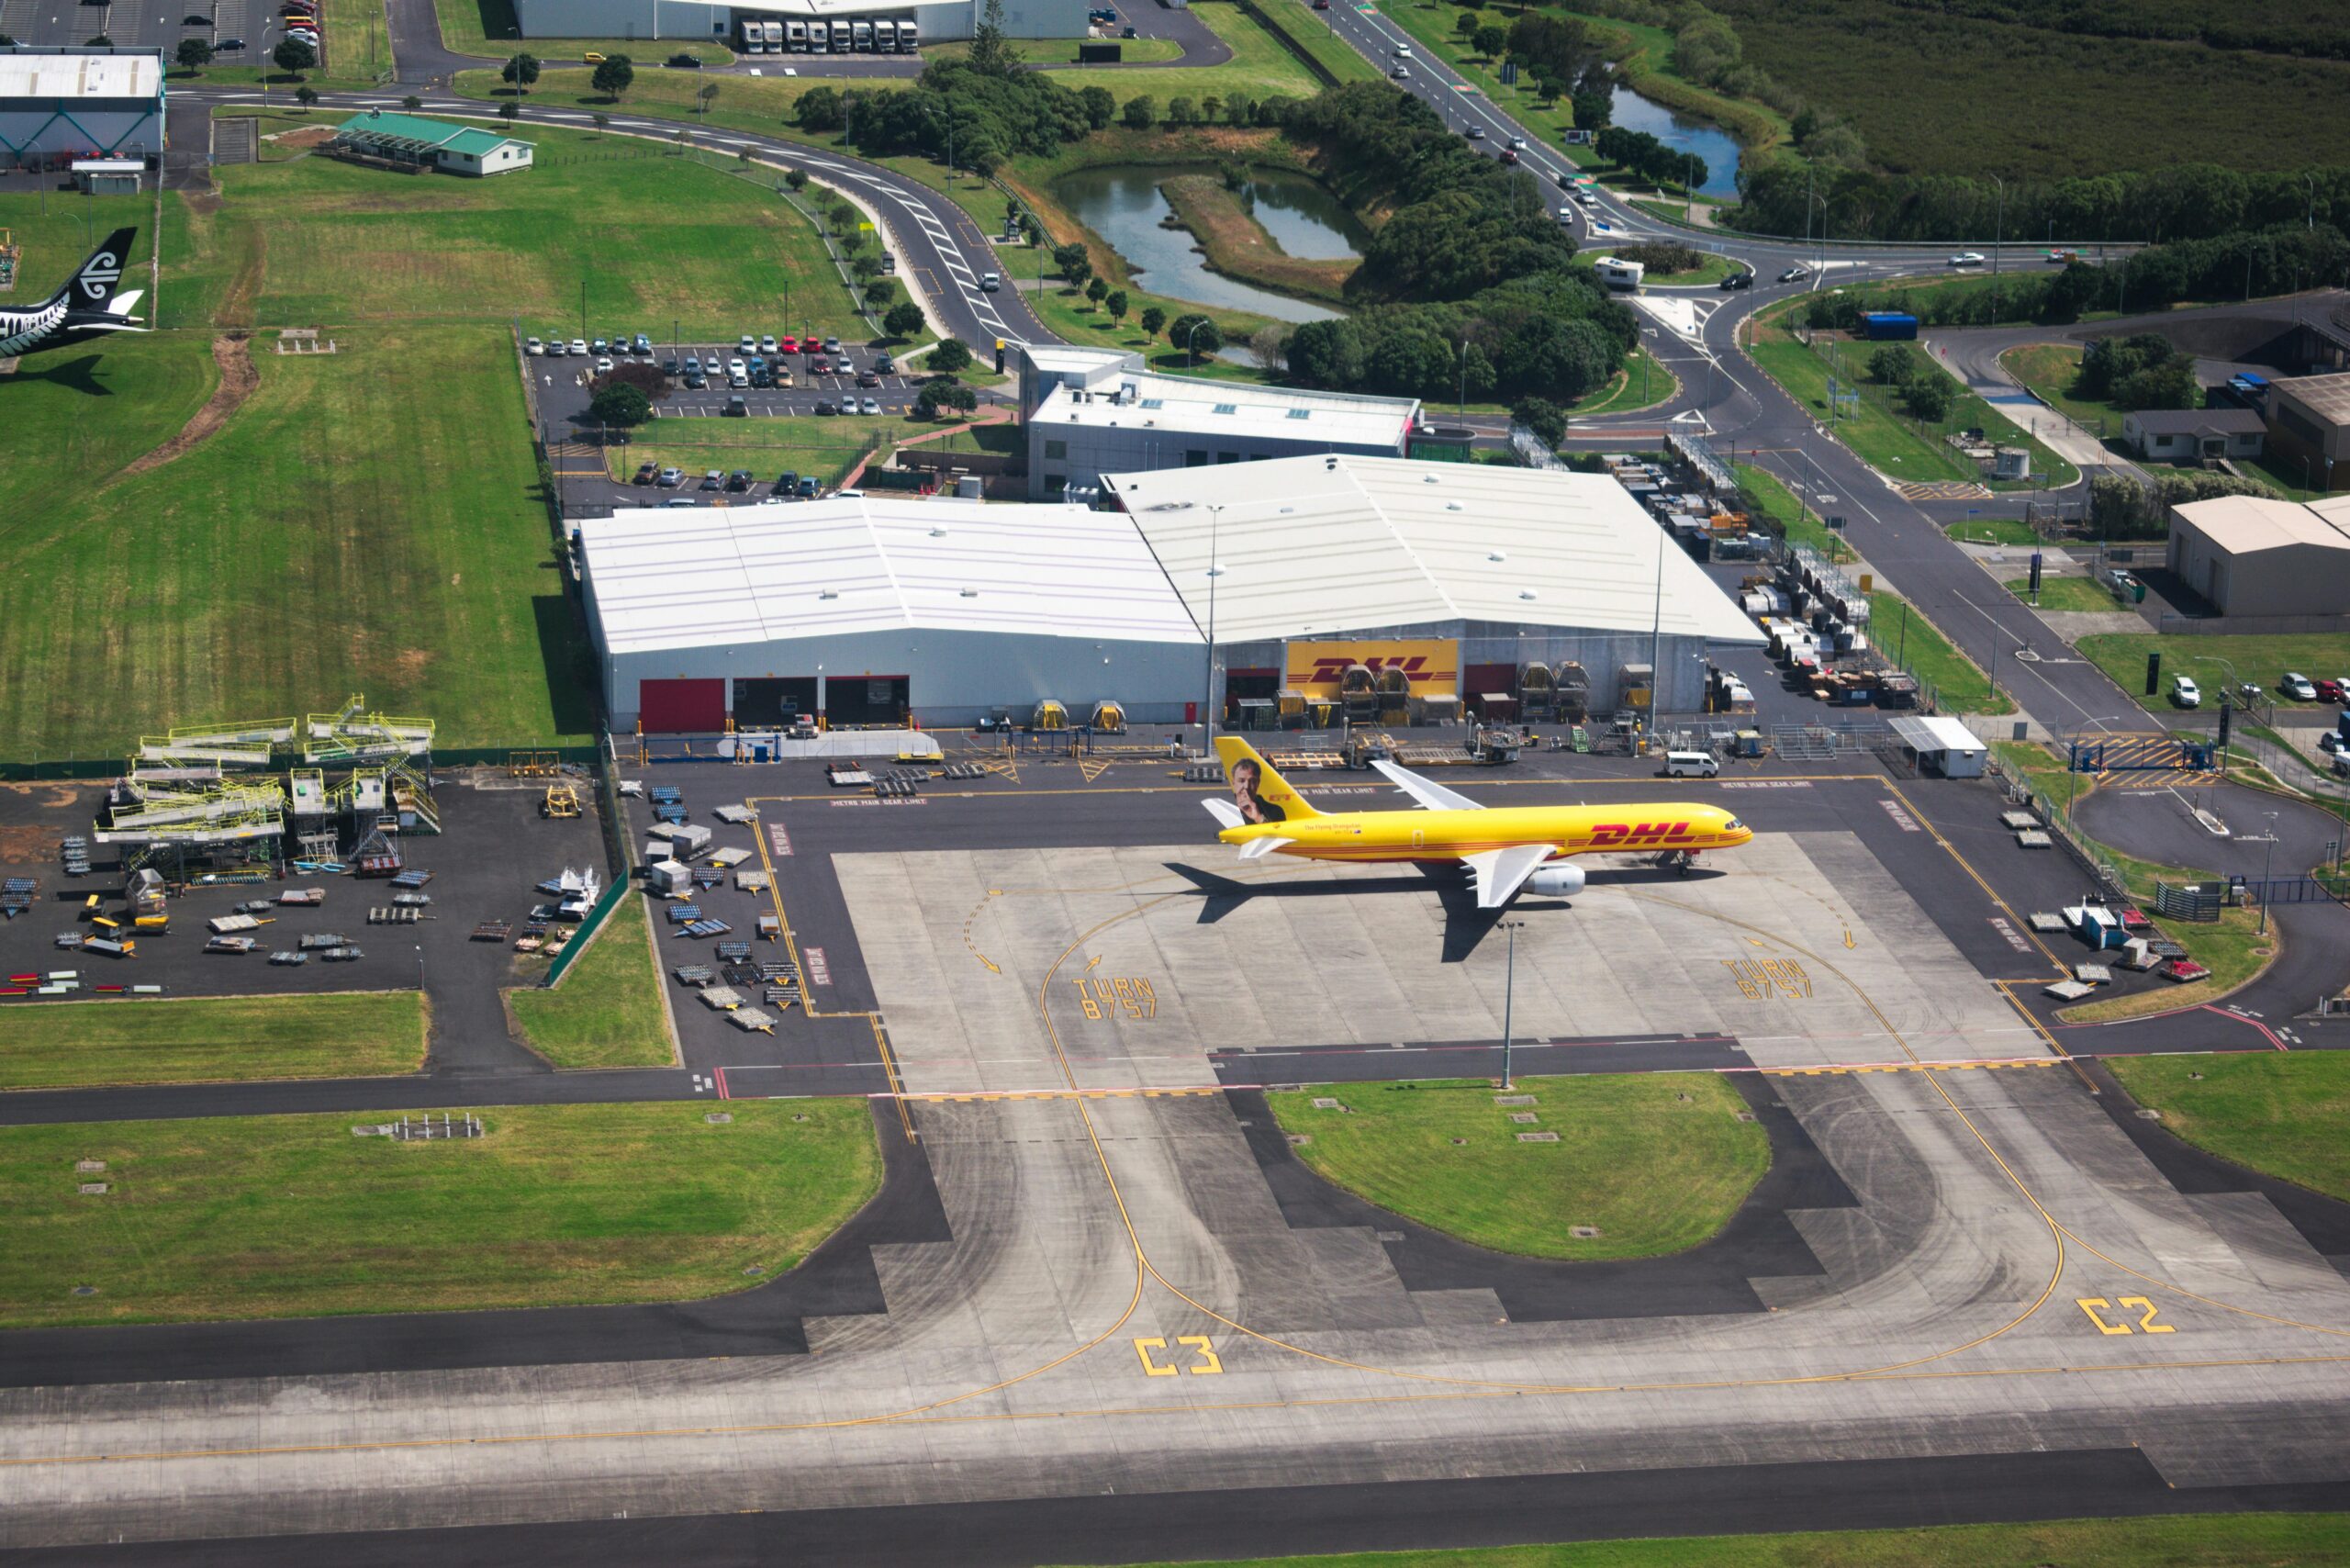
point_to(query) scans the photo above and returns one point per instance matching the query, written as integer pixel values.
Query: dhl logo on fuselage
(1613, 836)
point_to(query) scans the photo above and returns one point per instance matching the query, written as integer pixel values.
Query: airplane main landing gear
(1680, 862)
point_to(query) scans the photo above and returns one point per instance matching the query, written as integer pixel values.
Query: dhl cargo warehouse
(1440, 582)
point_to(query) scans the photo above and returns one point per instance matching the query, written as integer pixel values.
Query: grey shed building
(2250, 556)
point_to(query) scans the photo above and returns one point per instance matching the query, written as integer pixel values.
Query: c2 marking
(1208, 1365)
(2090, 1306)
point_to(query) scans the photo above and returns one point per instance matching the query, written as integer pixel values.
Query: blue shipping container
(1889, 324)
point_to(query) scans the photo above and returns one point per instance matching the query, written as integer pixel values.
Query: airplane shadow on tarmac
(1465, 925)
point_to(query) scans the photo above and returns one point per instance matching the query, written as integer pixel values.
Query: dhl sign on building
(1432, 665)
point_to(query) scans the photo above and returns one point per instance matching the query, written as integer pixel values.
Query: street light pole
(1207, 705)
(1998, 235)
(1510, 1000)
(1462, 408)
(2268, 865)
(1656, 631)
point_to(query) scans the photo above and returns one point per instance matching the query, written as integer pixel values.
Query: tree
(1097, 291)
(904, 321)
(291, 55)
(1101, 107)
(194, 53)
(1927, 397)
(708, 94)
(411, 103)
(101, 41)
(613, 77)
(1182, 111)
(1491, 38)
(603, 120)
(944, 393)
(1139, 112)
(1210, 107)
(951, 355)
(1892, 366)
(620, 405)
(1544, 418)
(1116, 305)
(876, 293)
(1593, 108)
(797, 179)
(521, 72)
(991, 55)
(307, 94)
(1465, 24)
(821, 109)
(1152, 317)
(1267, 345)
(1195, 334)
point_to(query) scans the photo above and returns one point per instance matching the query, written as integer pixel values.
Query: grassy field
(1656, 1162)
(1992, 530)
(488, 27)
(2064, 594)
(1061, 51)
(2287, 1114)
(1430, 28)
(1800, 523)
(1879, 434)
(2047, 371)
(826, 448)
(1642, 383)
(285, 1216)
(1901, 632)
(2183, 1540)
(364, 521)
(607, 1012)
(1306, 27)
(1237, 245)
(196, 1039)
(1936, 91)
(2123, 656)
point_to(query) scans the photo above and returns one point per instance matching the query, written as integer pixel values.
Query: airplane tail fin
(92, 286)
(1259, 794)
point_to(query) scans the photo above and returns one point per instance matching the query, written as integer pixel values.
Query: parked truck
(1888, 326)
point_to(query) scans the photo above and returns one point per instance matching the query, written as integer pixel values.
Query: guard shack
(1940, 746)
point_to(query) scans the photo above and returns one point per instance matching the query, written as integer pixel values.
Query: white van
(989, 283)
(1691, 764)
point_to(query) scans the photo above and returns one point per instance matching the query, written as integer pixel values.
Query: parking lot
(150, 24)
(485, 865)
(565, 389)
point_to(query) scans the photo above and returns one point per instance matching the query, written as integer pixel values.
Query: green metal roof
(476, 143)
(404, 128)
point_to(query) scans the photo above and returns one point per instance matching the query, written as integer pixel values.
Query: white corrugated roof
(1186, 405)
(676, 578)
(81, 76)
(1934, 732)
(2242, 524)
(1316, 545)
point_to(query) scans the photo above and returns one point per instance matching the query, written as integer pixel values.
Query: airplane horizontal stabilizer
(1258, 848)
(125, 303)
(1225, 812)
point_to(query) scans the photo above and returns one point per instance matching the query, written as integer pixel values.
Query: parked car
(592, 57)
(646, 473)
(2185, 693)
(579, 346)
(2298, 687)
(671, 478)
(604, 365)
(736, 408)
(1740, 279)
(1967, 259)
(739, 480)
(738, 378)
(868, 377)
(747, 343)
(788, 345)
(714, 479)
(767, 344)
(193, 20)
(785, 482)
(681, 502)
(2333, 688)
(669, 367)
(886, 366)
(643, 344)
(845, 367)
(820, 365)
(826, 406)
(696, 381)
(848, 405)
(762, 378)
(557, 348)
(533, 345)
(832, 345)
(871, 405)
(807, 485)
(682, 62)
(229, 46)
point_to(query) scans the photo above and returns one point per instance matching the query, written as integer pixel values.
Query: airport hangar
(882, 609)
(704, 21)
(60, 104)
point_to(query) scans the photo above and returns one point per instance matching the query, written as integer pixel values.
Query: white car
(2299, 688)
(872, 405)
(579, 347)
(1476, 133)
(533, 345)
(747, 343)
(1518, 144)
(604, 365)
(736, 367)
(1967, 259)
(1402, 51)
(2185, 693)
(1566, 215)
(767, 345)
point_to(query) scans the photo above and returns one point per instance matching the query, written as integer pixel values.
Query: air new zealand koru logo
(100, 277)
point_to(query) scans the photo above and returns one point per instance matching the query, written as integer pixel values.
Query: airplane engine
(1556, 881)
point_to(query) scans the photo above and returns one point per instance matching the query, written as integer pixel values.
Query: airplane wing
(1434, 796)
(1501, 872)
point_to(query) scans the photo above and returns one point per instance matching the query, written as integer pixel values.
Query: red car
(820, 365)
(787, 345)
(2334, 689)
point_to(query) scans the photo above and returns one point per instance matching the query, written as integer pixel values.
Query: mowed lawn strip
(2066, 594)
(2284, 1113)
(284, 1216)
(195, 1039)
(1902, 632)
(1656, 1162)
(607, 1011)
(2185, 1540)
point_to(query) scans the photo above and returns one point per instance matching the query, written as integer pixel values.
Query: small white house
(2189, 435)
(1619, 273)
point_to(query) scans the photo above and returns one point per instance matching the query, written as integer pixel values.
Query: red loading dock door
(681, 707)
(1481, 679)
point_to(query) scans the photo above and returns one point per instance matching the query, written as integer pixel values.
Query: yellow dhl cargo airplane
(1506, 848)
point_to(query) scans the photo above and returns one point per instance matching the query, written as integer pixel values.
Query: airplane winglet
(1258, 848)
(1225, 812)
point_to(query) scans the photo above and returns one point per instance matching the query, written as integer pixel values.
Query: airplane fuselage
(1372, 836)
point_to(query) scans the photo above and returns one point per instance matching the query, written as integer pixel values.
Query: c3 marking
(2146, 1324)
(1143, 1348)
(1209, 1362)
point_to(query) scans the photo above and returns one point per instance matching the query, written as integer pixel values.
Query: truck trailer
(795, 37)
